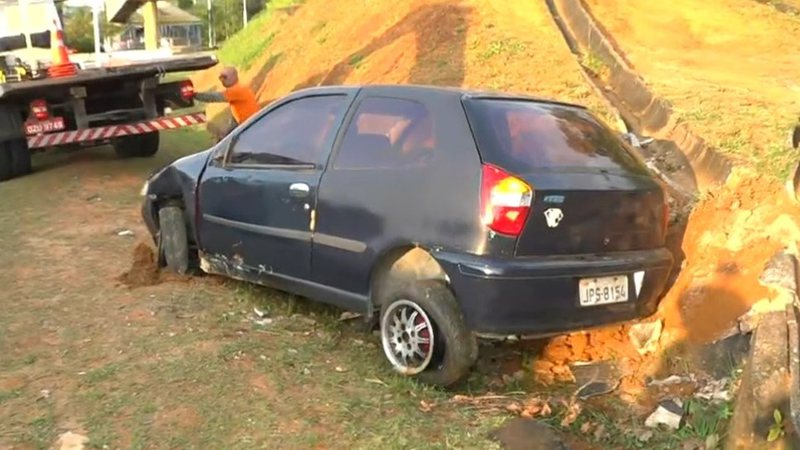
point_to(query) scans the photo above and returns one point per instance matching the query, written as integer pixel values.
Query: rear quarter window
(526, 136)
(388, 133)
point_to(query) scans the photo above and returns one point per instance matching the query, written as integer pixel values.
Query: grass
(595, 65)
(245, 47)
(101, 374)
(183, 365)
(356, 60)
(10, 395)
(507, 47)
(703, 420)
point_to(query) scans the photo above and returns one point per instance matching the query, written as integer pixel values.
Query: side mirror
(637, 141)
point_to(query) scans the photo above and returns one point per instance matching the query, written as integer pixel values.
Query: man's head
(228, 77)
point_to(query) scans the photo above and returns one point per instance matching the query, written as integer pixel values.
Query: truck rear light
(187, 90)
(505, 201)
(39, 110)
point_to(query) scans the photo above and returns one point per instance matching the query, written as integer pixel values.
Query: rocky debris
(515, 377)
(44, 394)
(260, 318)
(715, 391)
(72, 441)
(125, 233)
(671, 380)
(595, 378)
(668, 413)
(645, 336)
(348, 315)
(780, 272)
(526, 434)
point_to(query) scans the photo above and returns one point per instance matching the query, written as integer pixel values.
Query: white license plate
(604, 290)
(45, 126)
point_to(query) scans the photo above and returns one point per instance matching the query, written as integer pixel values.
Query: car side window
(296, 133)
(388, 133)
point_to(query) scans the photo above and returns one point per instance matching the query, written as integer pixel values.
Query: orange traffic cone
(61, 67)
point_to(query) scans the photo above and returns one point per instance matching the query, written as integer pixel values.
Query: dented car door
(257, 201)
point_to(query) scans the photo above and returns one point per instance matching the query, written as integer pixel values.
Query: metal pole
(96, 28)
(244, 11)
(210, 24)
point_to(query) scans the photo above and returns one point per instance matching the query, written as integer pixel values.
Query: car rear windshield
(522, 136)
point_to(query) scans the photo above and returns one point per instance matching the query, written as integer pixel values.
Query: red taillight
(505, 201)
(39, 109)
(187, 90)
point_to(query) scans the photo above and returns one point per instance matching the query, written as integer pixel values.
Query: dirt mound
(493, 44)
(731, 235)
(144, 269)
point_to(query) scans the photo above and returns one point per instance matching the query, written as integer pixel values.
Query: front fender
(175, 182)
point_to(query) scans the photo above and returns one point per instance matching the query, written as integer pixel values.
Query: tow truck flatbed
(133, 70)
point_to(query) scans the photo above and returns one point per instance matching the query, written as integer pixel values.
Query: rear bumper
(540, 295)
(110, 132)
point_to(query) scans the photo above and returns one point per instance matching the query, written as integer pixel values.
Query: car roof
(401, 90)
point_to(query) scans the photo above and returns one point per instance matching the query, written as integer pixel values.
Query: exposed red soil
(144, 269)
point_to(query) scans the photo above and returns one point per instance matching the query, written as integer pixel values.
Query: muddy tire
(173, 244)
(423, 333)
(20, 157)
(137, 146)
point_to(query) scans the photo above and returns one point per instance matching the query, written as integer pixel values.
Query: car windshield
(524, 136)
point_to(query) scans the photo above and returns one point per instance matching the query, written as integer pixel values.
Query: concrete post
(150, 18)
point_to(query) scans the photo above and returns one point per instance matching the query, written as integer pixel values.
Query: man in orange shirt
(241, 98)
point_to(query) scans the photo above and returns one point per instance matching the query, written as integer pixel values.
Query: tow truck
(126, 103)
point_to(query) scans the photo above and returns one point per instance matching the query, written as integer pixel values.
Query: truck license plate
(45, 126)
(604, 290)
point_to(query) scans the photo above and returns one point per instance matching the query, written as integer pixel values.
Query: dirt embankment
(493, 44)
(731, 233)
(727, 66)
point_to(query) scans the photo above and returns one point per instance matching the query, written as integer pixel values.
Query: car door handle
(299, 190)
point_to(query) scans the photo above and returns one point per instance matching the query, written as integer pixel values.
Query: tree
(78, 29)
(227, 15)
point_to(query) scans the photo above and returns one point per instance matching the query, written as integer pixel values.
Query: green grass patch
(356, 60)
(41, 432)
(10, 395)
(507, 47)
(594, 64)
(245, 47)
(613, 427)
(101, 374)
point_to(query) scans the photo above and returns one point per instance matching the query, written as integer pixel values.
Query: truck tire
(173, 244)
(137, 146)
(6, 164)
(20, 157)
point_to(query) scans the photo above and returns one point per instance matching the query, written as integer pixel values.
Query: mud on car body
(437, 213)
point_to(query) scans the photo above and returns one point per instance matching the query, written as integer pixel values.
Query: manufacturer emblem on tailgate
(553, 217)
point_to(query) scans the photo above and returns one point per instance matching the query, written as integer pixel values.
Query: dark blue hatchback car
(440, 214)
